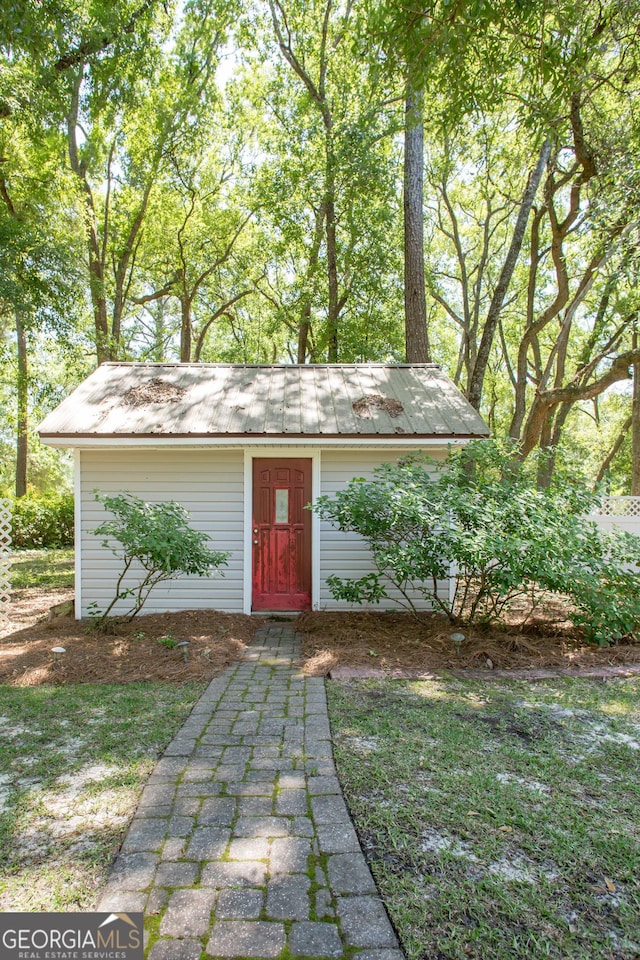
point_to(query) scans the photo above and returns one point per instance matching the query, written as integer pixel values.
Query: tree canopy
(334, 180)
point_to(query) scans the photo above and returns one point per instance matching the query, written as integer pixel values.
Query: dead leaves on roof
(154, 391)
(365, 406)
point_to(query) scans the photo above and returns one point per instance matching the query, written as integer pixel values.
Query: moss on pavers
(255, 821)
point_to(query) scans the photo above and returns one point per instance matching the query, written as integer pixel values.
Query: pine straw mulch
(131, 654)
(375, 644)
(398, 645)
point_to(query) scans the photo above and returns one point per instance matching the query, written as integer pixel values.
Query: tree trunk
(545, 401)
(95, 248)
(23, 409)
(332, 253)
(415, 307)
(96, 285)
(318, 92)
(608, 460)
(495, 307)
(303, 334)
(635, 425)
(160, 333)
(123, 265)
(304, 328)
(186, 330)
(522, 365)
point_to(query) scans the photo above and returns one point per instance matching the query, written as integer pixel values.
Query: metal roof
(237, 400)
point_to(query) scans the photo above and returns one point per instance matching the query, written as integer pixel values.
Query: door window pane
(282, 506)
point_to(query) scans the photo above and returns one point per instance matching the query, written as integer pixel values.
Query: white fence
(620, 512)
(5, 556)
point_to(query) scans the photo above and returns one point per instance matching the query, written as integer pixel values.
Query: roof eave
(244, 439)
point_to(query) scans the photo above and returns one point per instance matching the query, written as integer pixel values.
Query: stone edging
(551, 673)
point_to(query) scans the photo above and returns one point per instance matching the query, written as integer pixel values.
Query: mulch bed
(340, 644)
(392, 644)
(131, 654)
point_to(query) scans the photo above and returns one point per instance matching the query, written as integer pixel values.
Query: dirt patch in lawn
(132, 654)
(397, 643)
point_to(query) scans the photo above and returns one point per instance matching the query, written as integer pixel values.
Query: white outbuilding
(245, 448)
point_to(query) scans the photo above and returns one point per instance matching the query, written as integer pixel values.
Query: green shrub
(156, 537)
(481, 513)
(41, 521)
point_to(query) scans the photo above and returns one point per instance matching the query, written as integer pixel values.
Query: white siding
(346, 554)
(208, 483)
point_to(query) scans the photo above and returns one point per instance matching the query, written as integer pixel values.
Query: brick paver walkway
(242, 845)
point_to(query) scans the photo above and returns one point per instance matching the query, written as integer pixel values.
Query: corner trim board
(77, 532)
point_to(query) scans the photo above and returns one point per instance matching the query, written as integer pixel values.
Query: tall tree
(203, 256)
(483, 352)
(438, 46)
(37, 263)
(415, 306)
(118, 156)
(342, 116)
(635, 425)
(314, 77)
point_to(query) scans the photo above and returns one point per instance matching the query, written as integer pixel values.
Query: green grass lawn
(499, 819)
(52, 569)
(73, 761)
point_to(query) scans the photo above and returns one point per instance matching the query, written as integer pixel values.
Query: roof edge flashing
(156, 364)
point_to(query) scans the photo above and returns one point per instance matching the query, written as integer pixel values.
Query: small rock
(64, 609)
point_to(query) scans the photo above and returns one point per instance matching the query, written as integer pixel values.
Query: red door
(281, 535)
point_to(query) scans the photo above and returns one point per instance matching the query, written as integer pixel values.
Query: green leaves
(368, 589)
(158, 538)
(38, 521)
(507, 539)
(157, 535)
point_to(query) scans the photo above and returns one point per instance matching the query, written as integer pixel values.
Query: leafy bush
(481, 514)
(158, 537)
(40, 521)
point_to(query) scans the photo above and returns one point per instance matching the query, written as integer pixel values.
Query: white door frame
(280, 453)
